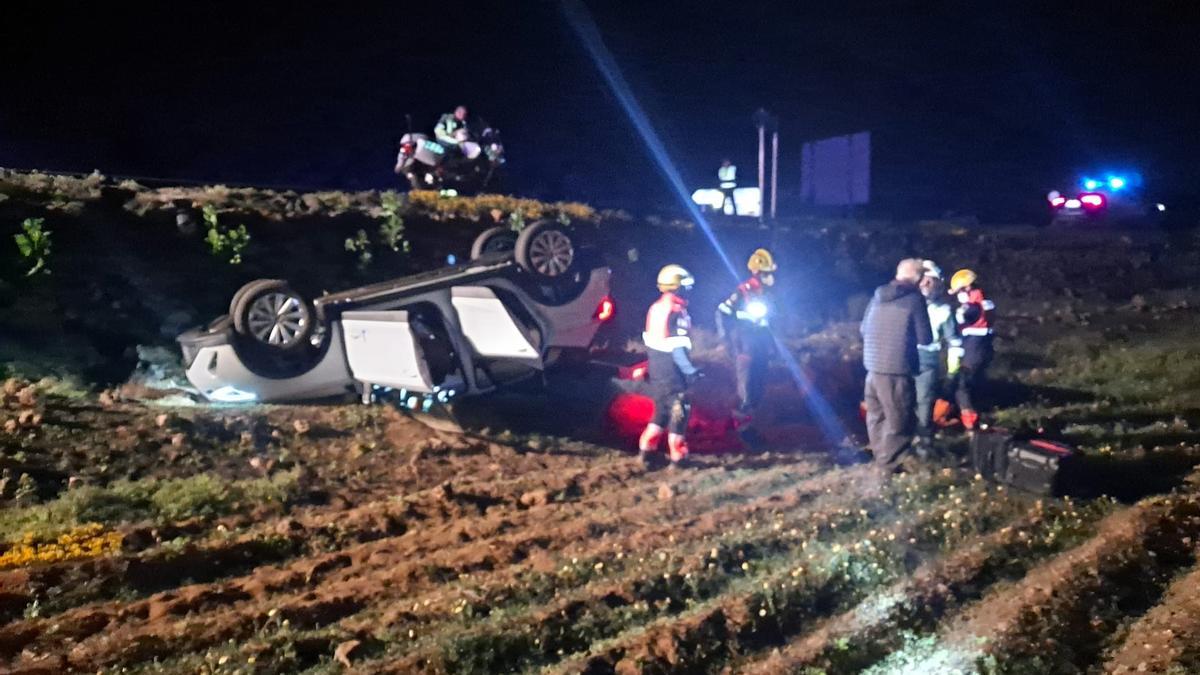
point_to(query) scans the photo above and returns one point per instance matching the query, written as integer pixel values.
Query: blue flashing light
(1090, 184)
(1116, 182)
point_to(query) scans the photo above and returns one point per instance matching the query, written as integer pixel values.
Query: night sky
(974, 107)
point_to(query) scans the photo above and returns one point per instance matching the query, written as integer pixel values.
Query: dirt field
(144, 537)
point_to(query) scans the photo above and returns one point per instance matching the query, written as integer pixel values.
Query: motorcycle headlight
(756, 309)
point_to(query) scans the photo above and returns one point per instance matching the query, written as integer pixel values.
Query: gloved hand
(953, 360)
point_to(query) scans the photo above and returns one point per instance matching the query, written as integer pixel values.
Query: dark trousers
(669, 391)
(977, 356)
(926, 383)
(890, 416)
(751, 358)
(728, 192)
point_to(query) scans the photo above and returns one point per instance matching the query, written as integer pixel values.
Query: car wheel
(545, 248)
(499, 239)
(271, 314)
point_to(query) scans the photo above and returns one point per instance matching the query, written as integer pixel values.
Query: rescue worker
(727, 175)
(968, 362)
(743, 320)
(448, 127)
(945, 335)
(668, 345)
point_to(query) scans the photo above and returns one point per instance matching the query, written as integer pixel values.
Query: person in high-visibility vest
(744, 321)
(968, 363)
(727, 175)
(929, 381)
(451, 127)
(668, 347)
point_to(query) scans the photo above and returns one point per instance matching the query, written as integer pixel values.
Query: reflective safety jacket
(668, 326)
(974, 313)
(749, 304)
(668, 332)
(942, 321)
(446, 127)
(728, 177)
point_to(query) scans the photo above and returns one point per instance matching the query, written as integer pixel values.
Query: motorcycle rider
(743, 321)
(668, 344)
(451, 127)
(727, 175)
(928, 381)
(968, 363)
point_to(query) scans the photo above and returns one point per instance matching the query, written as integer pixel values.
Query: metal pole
(762, 167)
(774, 170)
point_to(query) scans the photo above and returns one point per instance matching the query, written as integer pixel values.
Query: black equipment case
(1033, 465)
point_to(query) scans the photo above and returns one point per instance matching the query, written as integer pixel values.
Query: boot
(648, 442)
(677, 445)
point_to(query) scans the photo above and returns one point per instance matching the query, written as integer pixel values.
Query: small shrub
(391, 231)
(34, 243)
(223, 241)
(360, 244)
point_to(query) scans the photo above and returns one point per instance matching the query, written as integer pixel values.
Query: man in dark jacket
(894, 327)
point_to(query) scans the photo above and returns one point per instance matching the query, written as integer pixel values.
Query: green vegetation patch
(201, 496)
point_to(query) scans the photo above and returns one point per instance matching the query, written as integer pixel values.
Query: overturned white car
(520, 303)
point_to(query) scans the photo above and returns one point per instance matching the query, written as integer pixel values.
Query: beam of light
(585, 28)
(583, 25)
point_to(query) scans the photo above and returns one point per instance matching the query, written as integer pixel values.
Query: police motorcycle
(469, 166)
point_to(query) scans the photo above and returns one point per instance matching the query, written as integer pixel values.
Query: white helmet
(931, 269)
(673, 277)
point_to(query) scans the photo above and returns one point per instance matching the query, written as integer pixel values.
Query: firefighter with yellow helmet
(668, 347)
(968, 362)
(743, 320)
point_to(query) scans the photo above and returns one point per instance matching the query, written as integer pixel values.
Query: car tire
(494, 240)
(271, 314)
(246, 288)
(545, 248)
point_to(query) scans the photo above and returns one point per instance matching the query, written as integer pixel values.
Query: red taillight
(638, 373)
(407, 148)
(1057, 202)
(606, 309)
(1092, 200)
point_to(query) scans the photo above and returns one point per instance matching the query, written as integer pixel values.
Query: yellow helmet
(961, 280)
(761, 261)
(673, 277)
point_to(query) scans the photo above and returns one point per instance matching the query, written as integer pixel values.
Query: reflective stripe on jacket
(974, 313)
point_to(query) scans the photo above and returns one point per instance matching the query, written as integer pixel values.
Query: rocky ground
(144, 534)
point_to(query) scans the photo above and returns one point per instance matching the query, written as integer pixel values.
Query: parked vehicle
(468, 167)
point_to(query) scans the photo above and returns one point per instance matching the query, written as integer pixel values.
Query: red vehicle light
(1057, 202)
(407, 148)
(1092, 200)
(638, 373)
(606, 309)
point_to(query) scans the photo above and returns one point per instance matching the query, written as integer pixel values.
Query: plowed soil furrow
(304, 534)
(367, 569)
(854, 640)
(1167, 638)
(1059, 617)
(682, 575)
(767, 608)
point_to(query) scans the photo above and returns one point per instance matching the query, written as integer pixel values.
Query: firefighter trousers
(977, 356)
(668, 388)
